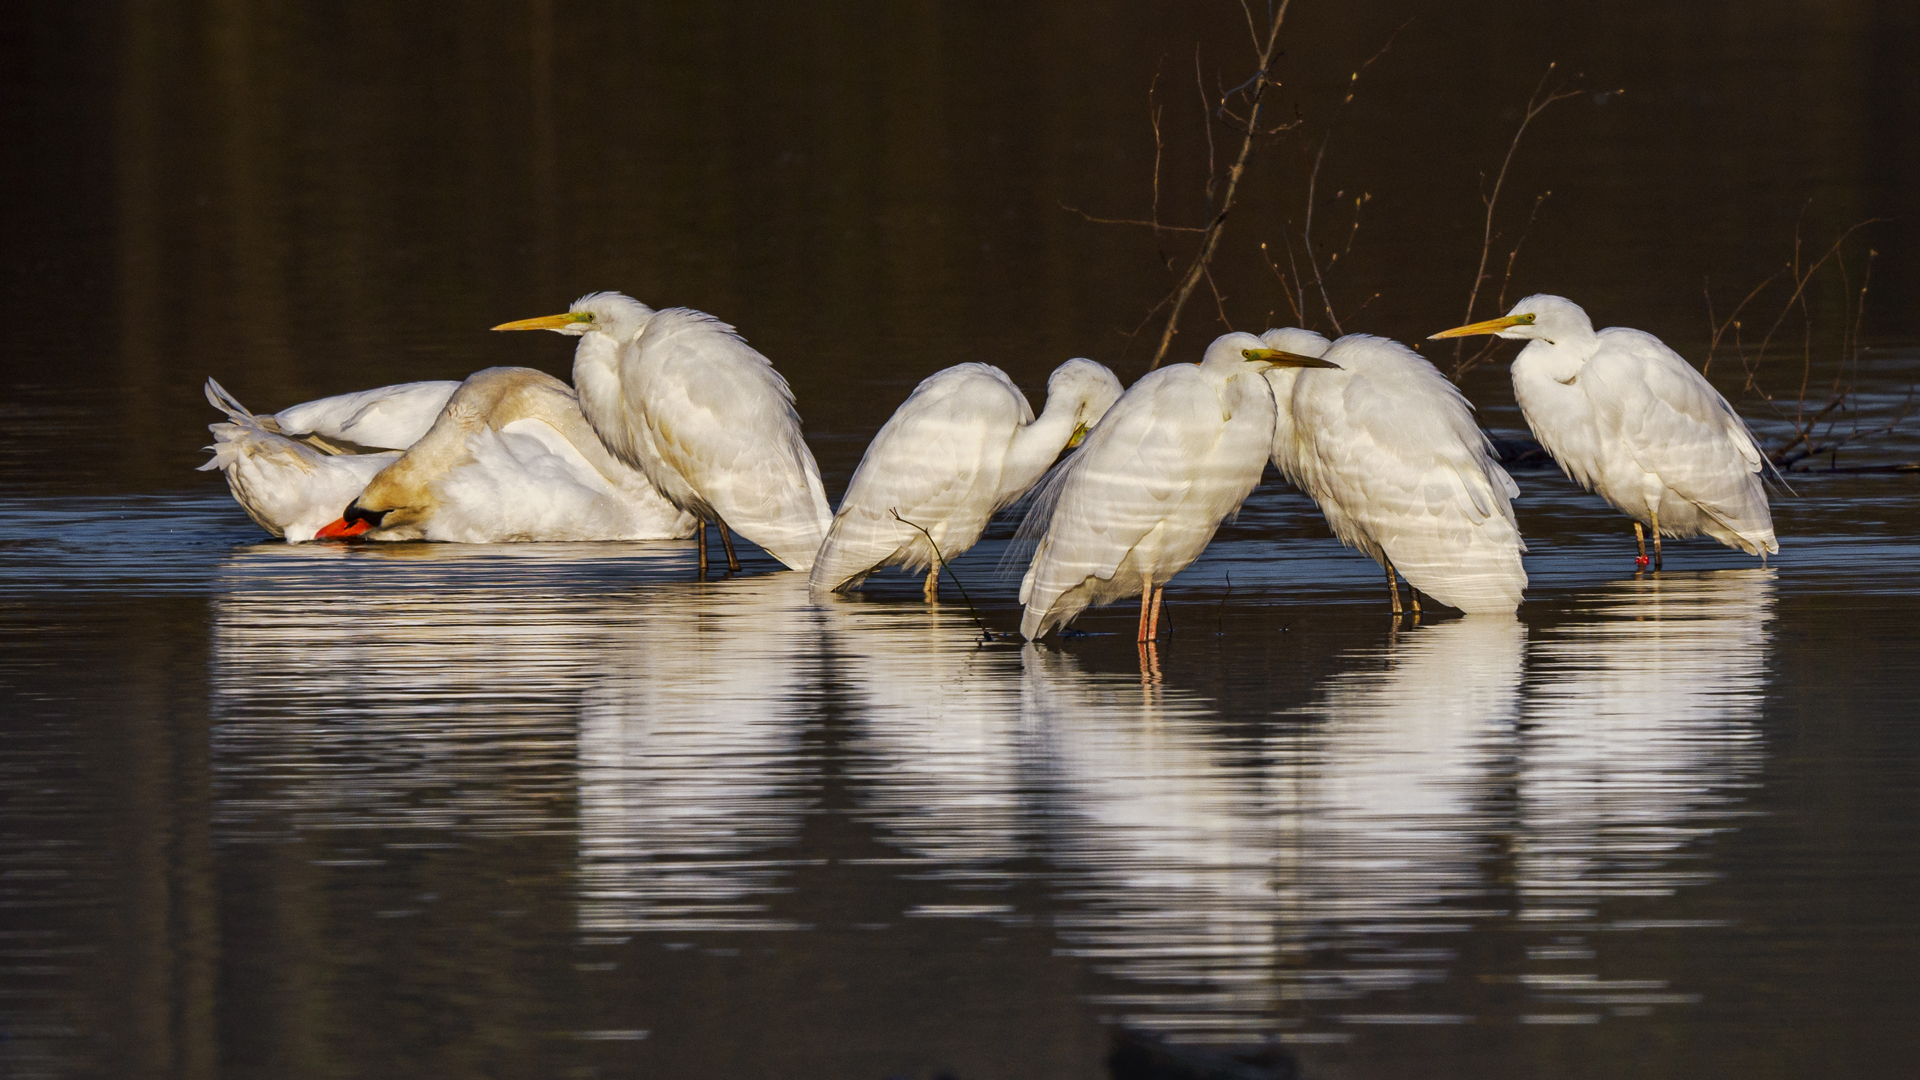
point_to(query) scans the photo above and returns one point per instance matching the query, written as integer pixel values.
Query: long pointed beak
(341, 529)
(548, 322)
(1491, 326)
(1282, 358)
(1079, 436)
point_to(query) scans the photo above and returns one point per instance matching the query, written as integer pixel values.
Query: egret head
(1090, 385)
(1297, 341)
(1540, 317)
(616, 315)
(1236, 350)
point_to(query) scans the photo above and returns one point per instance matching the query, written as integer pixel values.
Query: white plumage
(680, 396)
(510, 458)
(1177, 454)
(1627, 417)
(1389, 450)
(963, 446)
(289, 488)
(386, 418)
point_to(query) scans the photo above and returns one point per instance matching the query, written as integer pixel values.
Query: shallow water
(561, 810)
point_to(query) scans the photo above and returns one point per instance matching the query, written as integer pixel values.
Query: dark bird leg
(726, 540)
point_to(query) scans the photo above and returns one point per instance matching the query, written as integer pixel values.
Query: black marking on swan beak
(354, 513)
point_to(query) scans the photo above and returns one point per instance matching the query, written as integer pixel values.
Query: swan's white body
(385, 418)
(1389, 450)
(289, 488)
(1628, 418)
(511, 458)
(962, 447)
(1177, 454)
(678, 395)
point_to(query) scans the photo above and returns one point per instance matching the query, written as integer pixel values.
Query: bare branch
(1156, 226)
(1540, 101)
(1255, 95)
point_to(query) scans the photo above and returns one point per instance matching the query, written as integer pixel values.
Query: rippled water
(562, 811)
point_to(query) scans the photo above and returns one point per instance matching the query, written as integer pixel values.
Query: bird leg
(1153, 626)
(1146, 601)
(1640, 537)
(931, 590)
(726, 539)
(700, 530)
(1393, 587)
(1656, 539)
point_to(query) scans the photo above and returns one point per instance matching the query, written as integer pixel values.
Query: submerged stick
(942, 560)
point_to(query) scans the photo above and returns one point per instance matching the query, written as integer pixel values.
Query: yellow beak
(1079, 436)
(548, 322)
(1491, 326)
(1282, 358)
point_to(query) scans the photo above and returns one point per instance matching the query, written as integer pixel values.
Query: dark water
(556, 810)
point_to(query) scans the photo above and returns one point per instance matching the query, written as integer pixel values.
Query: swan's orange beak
(341, 529)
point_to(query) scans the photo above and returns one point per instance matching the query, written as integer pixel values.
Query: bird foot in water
(1642, 562)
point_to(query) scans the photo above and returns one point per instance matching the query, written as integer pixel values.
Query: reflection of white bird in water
(287, 486)
(510, 458)
(1388, 448)
(1625, 416)
(1177, 454)
(964, 445)
(678, 395)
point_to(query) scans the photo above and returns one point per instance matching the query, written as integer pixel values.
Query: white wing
(1392, 455)
(937, 461)
(724, 433)
(1672, 423)
(389, 417)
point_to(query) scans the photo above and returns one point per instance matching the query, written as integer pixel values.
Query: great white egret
(964, 445)
(680, 396)
(1177, 454)
(1388, 449)
(286, 486)
(510, 458)
(1627, 417)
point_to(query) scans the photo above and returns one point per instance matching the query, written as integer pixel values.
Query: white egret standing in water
(510, 458)
(680, 396)
(963, 446)
(1627, 417)
(1177, 454)
(1389, 450)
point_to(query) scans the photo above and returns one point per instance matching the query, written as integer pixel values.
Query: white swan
(510, 458)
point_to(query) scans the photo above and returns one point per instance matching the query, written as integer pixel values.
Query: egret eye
(1526, 319)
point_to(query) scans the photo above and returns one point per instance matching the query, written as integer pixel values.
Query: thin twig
(1540, 101)
(942, 560)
